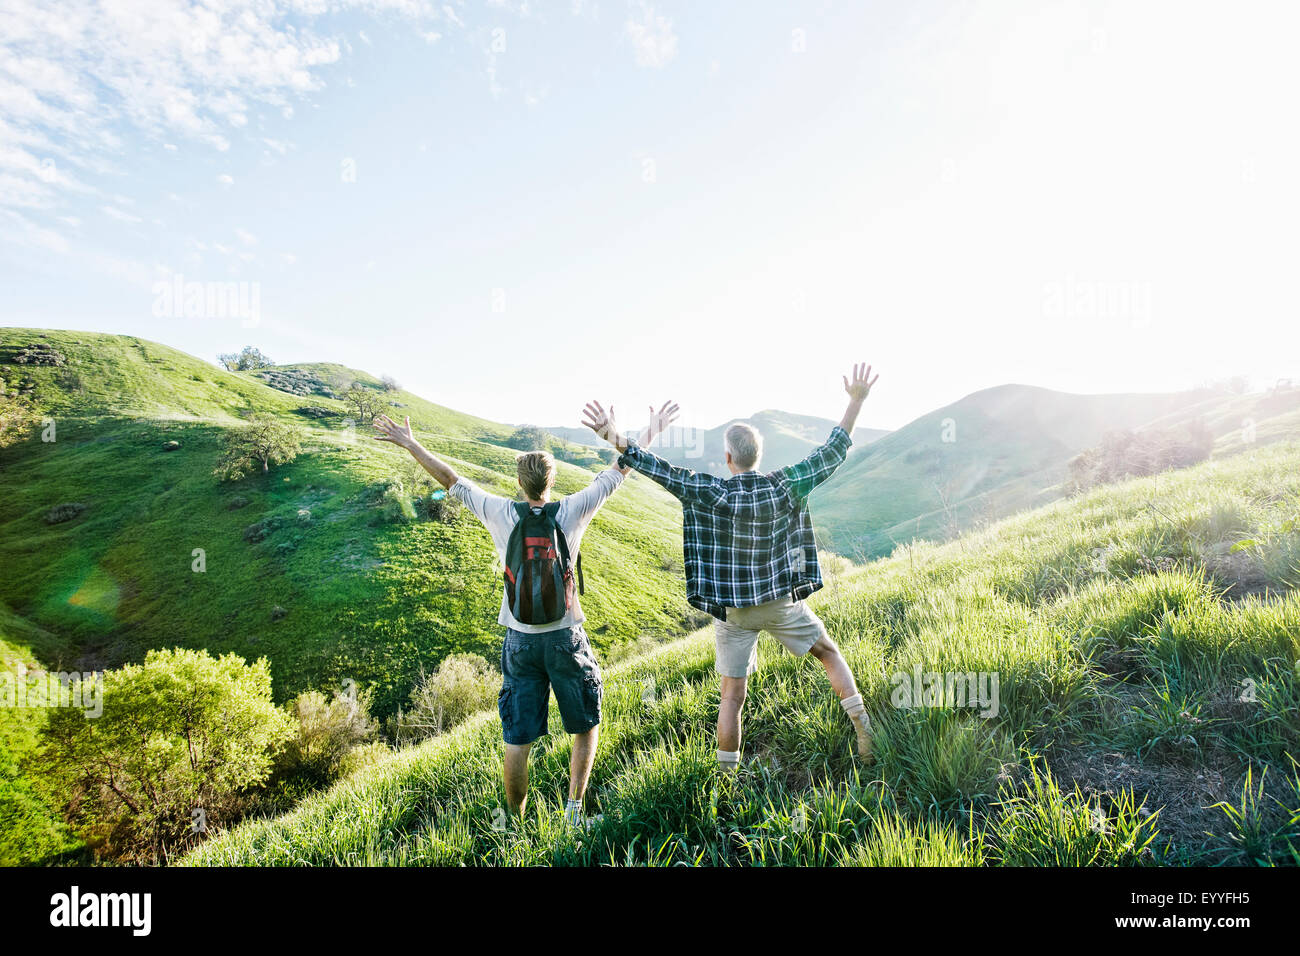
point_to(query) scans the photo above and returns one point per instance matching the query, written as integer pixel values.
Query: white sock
(573, 809)
(854, 707)
(728, 759)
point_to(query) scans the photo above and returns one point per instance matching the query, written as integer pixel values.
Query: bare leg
(517, 776)
(846, 689)
(837, 668)
(580, 761)
(733, 698)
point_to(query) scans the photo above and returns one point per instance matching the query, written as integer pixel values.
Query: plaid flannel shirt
(747, 539)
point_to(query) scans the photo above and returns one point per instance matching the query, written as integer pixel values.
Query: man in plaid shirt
(750, 556)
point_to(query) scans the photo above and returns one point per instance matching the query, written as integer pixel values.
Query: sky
(515, 207)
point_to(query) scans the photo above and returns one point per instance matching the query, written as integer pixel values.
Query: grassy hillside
(1002, 450)
(787, 438)
(301, 564)
(1146, 673)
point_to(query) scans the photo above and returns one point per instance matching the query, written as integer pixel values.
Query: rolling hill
(1001, 450)
(787, 438)
(1125, 634)
(302, 565)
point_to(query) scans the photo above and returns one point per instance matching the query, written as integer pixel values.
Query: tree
(390, 384)
(244, 361)
(264, 441)
(530, 438)
(364, 403)
(179, 739)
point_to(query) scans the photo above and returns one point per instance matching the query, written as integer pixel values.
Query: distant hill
(1004, 449)
(787, 438)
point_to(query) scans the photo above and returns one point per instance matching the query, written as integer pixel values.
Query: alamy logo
(39, 689)
(954, 689)
(102, 909)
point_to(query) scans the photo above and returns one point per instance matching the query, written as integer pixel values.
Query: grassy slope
(370, 601)
(1011, 448)
(1115, 624)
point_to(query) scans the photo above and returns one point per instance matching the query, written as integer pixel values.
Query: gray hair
(744, 444)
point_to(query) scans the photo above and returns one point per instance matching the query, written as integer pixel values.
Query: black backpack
(539, 574)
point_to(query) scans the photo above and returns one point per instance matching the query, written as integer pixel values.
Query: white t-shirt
(499, 517)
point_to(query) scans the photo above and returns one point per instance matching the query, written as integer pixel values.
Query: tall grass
(1113, 631)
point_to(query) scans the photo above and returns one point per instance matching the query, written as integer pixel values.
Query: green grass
(365, 599)
(1139, 688)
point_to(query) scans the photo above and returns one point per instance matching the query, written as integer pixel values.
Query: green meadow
(1146, 638)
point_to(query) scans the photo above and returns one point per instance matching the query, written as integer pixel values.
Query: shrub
(327, 732)
(180, 737)
(262, 529)
(1122, 454)
(438, 509)
(462, 685)
(64, 512)
(314, 411)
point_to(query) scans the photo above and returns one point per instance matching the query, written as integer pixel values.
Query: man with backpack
(545, 649)
(751, 558)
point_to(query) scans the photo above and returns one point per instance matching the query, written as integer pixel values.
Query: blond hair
(536, 473)
(744, 444)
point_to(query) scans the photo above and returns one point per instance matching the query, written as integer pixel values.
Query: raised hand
(860, 386)
(602, 423)
(660, 420)
(393, 432)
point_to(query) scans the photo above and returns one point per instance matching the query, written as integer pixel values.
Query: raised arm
(858, 390)
(401, 435)
(680, 482)
(821, 464)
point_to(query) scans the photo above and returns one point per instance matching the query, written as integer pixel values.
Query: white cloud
(653, 40)
(246, 237)
(226, 179)
(114, 213)
(80, 79)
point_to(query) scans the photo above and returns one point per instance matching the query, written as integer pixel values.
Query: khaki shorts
(791, 622)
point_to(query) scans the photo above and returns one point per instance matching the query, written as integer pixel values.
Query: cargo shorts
(532, 665)
(793, 623)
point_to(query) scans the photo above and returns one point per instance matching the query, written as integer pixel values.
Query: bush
(262, 529)
(327, 732)
(1124, 454)
(438, 509)
(64, 512)
(462, 685)
(179, 739)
